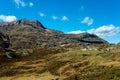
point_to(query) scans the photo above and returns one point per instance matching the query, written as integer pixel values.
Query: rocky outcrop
(4, 41)
(4, 46)
(32, 34)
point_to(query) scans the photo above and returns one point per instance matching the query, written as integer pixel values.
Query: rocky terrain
(28, 50)
(4, 41)
(32, 34)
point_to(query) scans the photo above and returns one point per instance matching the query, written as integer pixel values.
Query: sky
(100, 17)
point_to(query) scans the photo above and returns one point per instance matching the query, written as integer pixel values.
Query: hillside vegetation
(62, 64)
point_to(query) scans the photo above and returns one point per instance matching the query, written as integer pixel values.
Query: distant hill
(32, 34)
(118, 42)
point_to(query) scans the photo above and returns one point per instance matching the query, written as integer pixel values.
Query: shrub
(48, 50)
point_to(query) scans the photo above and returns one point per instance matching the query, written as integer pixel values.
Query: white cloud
(88, 21)
(20, 3)
(31, 4)
(102, 31)
(105, 30)
(42, 14)
(64, 18)
(75, 32)
(54, 17)
(8, 18)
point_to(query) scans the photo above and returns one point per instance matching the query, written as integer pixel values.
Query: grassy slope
(73, 64)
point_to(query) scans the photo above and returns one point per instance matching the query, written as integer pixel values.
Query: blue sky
(100, 17)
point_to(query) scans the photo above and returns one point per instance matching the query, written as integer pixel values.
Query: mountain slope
(32, 34)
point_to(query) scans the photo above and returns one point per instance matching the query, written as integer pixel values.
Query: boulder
(10, 55)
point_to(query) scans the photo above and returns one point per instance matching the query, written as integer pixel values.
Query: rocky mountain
(32, 34)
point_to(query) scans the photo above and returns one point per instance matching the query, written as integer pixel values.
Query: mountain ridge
(32, 34)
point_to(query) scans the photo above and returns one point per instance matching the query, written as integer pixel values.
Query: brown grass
(53, 63)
